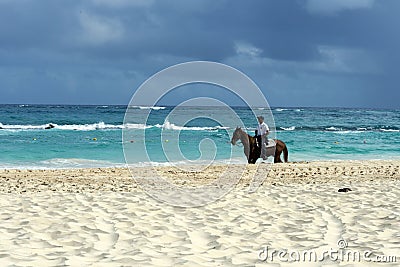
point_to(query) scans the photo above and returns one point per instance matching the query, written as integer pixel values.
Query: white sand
(93, 226)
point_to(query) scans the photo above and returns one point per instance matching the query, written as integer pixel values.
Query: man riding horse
(259, 146)
(262, 137)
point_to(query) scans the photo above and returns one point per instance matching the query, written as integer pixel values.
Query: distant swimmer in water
(50, 126)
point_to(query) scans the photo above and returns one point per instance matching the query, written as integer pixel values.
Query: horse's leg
(277, 158)
(254, 155)
(247, 153)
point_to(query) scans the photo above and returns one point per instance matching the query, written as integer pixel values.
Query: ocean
(91, 136)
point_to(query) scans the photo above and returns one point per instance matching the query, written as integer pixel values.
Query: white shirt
(262, 129)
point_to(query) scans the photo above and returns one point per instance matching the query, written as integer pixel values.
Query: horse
(253, 152)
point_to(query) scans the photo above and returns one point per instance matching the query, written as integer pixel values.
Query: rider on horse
(262, 139)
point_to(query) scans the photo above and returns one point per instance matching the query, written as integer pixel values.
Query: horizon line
(234, 106)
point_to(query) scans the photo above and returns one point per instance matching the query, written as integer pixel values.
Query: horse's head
(236, 135)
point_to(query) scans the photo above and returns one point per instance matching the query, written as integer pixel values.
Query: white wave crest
(170, 126)
(86, 127)
(347, 132)
(104, 126)
(291, 128)
(333, 129)
(286, 109)
(21, 127)
(390, 130)
(149, 107)
(78, 127)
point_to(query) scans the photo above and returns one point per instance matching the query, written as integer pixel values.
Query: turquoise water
(91, 136)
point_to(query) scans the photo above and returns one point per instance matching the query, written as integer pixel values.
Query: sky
(301, 53)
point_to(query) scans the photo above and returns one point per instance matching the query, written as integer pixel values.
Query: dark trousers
(259, 141)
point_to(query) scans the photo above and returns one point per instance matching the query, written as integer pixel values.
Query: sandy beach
(102, 217)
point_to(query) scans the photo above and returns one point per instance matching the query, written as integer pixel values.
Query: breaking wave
(104, 126)
(292, 128)
(148, 107)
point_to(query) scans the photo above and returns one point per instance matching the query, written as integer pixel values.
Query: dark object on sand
(50, 126)
(345, 190)
(253, 152)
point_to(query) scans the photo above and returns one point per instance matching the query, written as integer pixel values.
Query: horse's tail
(285, 153)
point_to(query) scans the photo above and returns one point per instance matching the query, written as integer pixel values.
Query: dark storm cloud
(80, 51)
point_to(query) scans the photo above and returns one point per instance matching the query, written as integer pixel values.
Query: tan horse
(252, 151)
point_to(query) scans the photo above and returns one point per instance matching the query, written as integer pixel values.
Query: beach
(102, 217)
